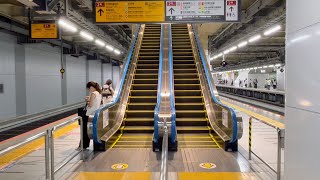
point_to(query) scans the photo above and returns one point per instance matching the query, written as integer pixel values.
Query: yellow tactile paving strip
(216, 176)
(24, 150)
(256, 115)
(113, 175)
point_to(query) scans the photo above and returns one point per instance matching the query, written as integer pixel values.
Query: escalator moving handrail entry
(117, 98)
(159, 97)
(208, 77)
(172, 102)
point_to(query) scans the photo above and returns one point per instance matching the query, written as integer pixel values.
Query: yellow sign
(44, 31)
(120, 166)
(207, 165)
(130, 11)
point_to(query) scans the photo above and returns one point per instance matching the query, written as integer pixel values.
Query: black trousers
(86, 139)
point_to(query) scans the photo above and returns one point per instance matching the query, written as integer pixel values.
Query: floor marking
(119, 166)
(207, 165)
(18, 153)
(216, 176)
(256, 115)
(113, 176)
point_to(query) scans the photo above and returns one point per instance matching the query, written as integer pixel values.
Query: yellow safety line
(28, 148)
(214, 140)
(256, 115)
(116, 141)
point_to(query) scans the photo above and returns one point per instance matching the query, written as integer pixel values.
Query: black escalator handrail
(117, 98)
(172, 102)
(159, 97)
(215, 100)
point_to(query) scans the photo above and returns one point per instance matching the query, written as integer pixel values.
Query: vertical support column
(64, 82)
(102, 73)
(20, 79)
(87, 72)
(112, 71)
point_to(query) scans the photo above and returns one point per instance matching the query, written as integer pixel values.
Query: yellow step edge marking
(215, 141)
(28, 148)
(116, 141)
(256, 115)
(133, 137)
(133, 145)
(133, 141)
(193, 137)
(113, 175)
(217, 175)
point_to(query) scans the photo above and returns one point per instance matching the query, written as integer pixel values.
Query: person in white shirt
(93, 104)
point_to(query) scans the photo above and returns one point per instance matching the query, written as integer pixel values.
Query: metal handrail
(280, 133)
(159, 97)
(164, 155)
(234, 137)
(172, 97)
(49, 146)
(121, 88)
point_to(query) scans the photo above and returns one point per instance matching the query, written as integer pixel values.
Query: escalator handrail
(159, 97)
(117, 98)
(172, 102)
(210, 83)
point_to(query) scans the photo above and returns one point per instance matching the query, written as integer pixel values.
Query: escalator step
(143, 93)
(141, 106)
(188, 92)
(139, 121)
(186, 81)
(189, 99)
(144, 86)
(145, 81)
(187, 86)
(143, 99)
(189, 106)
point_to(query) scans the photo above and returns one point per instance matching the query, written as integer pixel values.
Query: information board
(130, 11)
(46, 30)
(169, 11)
(203, 10)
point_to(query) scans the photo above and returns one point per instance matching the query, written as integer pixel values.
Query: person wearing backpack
(107, 91)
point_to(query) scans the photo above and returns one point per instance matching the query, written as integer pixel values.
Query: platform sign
(130, 11)
(44, 30)
(202, 11)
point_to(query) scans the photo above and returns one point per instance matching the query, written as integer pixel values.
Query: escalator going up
(192, 123)
(137, 127)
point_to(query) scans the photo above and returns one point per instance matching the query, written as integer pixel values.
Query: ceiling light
(117, 51)
(259, 67)
(233, 48)
(251, 68)
(272, 30)
(219, 55)
(67, 25)
(110, 48)
(100, 43)
(265, 66)
(242, 44)
(277, 65)
(254, 38)
(215, 57)
(86, 35)
(226, 51)
(271, 66)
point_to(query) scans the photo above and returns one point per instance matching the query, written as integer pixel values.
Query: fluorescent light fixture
(233, 48)
(254, 38)
(247, 69)
(86, 35)
(67, 25)
(219, 55)
(226, 51)
(117, 51)
(215, 57)
(271, 66)
(277, 65)
(251, 68)
(272, 30)
(265, 66)
(260, 67)
(110, 48)
(242, 44)
(100, 42)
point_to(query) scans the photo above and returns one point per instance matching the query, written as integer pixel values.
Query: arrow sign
(231, 8)
(171, 10)
(100, 11)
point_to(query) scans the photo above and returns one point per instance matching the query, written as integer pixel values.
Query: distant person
(274, 84)
(255, 83)
(268, 84)
(250, 83)
(232, 82)
(246, 83)
(240, 83)
(93, 104)
(107, 91)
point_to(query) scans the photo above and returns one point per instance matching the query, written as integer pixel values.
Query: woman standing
(93, 104)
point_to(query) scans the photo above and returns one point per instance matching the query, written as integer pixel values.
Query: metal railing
(280, 134)
(164, 154)
(48, 134)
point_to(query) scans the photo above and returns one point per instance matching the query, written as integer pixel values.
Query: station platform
(143, 163)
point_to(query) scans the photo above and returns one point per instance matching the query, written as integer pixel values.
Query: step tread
(192, 128)
(191, 119)
(139, 119)
(138, 128)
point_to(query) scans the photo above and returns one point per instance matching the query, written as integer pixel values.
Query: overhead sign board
(130, 11)
(44, 30)
(170, 11)
(202, 11)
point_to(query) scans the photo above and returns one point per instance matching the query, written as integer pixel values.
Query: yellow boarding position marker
(207, 165)
(119, 166)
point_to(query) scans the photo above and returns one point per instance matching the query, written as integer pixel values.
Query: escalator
(192, 123)
(138, 124)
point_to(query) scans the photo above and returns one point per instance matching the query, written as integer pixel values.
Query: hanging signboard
(169, 11)
(43, 30)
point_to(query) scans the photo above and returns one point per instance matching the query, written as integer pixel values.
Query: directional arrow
(231, 8)
(100, 11)
(171, 10)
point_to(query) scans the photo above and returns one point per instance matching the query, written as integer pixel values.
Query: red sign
(171, 3)
(46, 25)
(99, 4)
(231, 3)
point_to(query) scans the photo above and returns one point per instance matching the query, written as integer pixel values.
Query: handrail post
(51, 147)
(47, 154)
(250, 135)
(164, 156)
(81, 138)
(280, 144)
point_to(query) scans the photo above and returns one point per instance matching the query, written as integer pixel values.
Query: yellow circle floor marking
(119, 166)
(207, 165)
